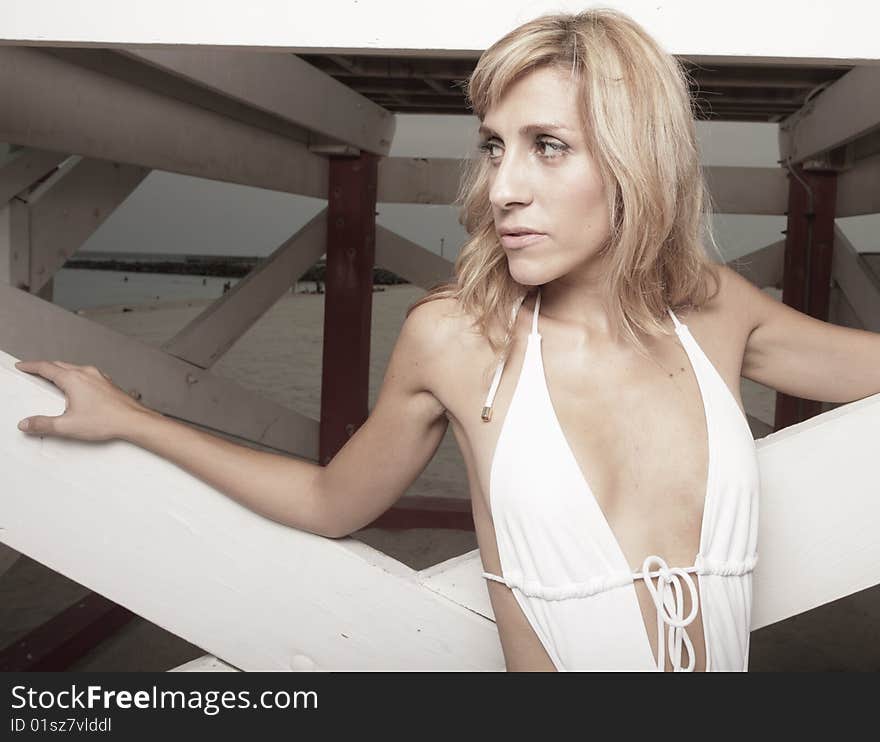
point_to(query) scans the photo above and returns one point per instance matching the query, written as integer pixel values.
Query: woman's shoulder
(726, 306)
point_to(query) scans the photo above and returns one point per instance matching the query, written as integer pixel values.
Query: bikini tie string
(668, 598)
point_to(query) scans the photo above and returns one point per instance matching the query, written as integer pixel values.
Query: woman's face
(543, 179)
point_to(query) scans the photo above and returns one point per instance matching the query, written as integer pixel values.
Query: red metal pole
(806, 282)
(348, 300)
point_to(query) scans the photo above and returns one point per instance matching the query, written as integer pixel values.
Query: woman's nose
(510, 184)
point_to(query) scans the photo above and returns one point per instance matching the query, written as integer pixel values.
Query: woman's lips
(515, 241)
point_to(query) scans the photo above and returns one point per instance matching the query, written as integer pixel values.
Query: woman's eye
(548, 149)
(486, 149)
(555, 147)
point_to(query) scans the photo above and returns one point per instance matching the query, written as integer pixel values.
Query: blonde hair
(639, 123)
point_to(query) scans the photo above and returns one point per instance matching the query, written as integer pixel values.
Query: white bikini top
(559, 555)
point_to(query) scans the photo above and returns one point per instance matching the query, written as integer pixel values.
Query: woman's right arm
(371, 471)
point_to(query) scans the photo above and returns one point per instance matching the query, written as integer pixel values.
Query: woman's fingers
(40, 425)
(95, 409)
(51, 370)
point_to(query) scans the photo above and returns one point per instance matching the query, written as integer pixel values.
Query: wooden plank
(435, 180)
(748, 29)
(250, 591)
(26, 167)
(68, 209)
(14, 244)
(857, 281)
(846, 110)
(858, 189)
(33, 329)
(322, 104)
(419, 180)
(56, 105)
(204, 340)
(418, 265)
(747, 190)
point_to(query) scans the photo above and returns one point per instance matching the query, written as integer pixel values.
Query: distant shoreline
(220, 268)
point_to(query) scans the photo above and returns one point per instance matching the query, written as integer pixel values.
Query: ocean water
(80, 288)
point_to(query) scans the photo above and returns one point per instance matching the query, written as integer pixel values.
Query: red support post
(348, 300)
(806, 282)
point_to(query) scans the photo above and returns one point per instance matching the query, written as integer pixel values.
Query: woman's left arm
(799, 355)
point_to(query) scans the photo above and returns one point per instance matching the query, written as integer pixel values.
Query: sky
(171, 213)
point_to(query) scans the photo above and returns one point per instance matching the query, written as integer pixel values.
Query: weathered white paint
(843, 30)
(847, 109)
(69, 108)
(285, 86)
(34, 329)
(204, 340)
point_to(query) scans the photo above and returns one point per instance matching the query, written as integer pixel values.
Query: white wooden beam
(14, 244)
(250, 591)
(56, 105)
(763, 267)
(858, 189)
(24, 168)
(747, 190)
(435, 180)
(419, 180)
(32, 329)
(204, 340)
(856, 280)
(285, 86)
(411, 261)
(814, 32)
(67, 209)
(845, 111)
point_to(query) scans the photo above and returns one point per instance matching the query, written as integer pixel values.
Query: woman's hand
(95, 408)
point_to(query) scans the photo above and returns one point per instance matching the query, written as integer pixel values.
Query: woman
(613, 476)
